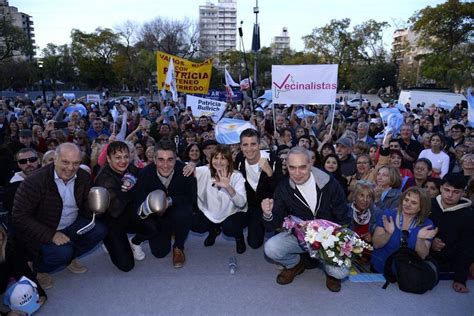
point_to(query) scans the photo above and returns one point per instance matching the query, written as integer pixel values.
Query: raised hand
(388, 224)
(427, 232)
(265, 166)
(223, 179)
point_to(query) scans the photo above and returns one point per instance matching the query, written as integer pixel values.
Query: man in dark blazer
(166, 174)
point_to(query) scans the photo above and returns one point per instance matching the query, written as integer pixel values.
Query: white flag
(171, 81)
(229, 83)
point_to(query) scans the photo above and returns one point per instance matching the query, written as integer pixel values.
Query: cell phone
(60, 125)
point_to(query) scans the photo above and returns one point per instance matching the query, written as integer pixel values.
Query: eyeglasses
(79, 138)
(101, 140)
(24, 161)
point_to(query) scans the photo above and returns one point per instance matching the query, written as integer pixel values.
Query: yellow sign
(191, 77)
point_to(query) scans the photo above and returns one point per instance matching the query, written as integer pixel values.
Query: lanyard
(400, 222)
(404, 239)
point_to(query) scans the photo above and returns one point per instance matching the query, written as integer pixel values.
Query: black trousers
(116, 240)
(256, 230)
(176, 221)
(232, 226)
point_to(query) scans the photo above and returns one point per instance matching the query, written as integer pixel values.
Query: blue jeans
(54, 256)
(284, 249)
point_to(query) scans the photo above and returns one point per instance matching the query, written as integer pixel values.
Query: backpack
(413, 274)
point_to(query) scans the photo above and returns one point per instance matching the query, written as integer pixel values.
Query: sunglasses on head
(24, 161)
(101, 140)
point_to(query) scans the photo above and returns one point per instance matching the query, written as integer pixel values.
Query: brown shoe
(178, 258)
(288, 275)
(45, 280)
(333, 284)
(77, 267)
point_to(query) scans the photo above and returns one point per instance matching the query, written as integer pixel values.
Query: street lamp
(255, 46)
(40, 65)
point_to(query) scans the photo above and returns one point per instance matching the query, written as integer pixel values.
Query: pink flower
(346, 248)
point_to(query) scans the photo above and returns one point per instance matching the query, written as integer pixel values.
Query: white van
(428, 98)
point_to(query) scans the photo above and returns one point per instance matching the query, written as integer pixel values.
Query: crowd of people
(413, 186)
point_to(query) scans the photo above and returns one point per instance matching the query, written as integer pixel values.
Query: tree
(176, 37)
(13, 39)
(58, 64)
(93, 54)
(445, 30)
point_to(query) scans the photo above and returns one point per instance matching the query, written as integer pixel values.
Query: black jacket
(456, 230)
(183, 190)
(112, 181)
(265, 187)
(331, 202)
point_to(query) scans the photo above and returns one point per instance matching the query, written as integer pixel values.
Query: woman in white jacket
(222, 199)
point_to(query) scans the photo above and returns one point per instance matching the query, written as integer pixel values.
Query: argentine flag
(228, 130)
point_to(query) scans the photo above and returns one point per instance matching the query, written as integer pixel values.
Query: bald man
(50, 206)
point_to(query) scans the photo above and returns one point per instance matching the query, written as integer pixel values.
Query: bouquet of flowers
(333, 244)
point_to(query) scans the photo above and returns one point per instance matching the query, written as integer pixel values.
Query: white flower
(325, 237)
(330, 253)
(340, 262)
(347, 263)
(310, 235)
(334, 259)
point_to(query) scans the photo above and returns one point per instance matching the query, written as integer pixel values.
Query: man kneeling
(308, 193)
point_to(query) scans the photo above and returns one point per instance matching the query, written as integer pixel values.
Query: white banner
(92, 98)
(201, 106)
(304, 84)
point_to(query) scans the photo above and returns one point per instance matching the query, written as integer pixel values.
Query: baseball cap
(345, 141)
(22, 296)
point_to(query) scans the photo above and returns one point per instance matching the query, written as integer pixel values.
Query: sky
(54, 19)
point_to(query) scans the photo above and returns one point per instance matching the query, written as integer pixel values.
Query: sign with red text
(304, 84)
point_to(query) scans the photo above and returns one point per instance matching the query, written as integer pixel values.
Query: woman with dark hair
(332, 165)
(439, 159)
(396, 161)
(327, 149)
(12, 132)
(118, 176)
(82, 141)
(140, 149)
(193, 154)
(222, 199)
(407, 225)
(433, 186)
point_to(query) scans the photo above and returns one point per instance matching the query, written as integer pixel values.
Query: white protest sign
(69, 96)
(207, 107)
(304, 84)
(93, 98)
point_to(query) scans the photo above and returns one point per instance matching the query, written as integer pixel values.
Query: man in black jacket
(166, 174)
(258, 173)
(453, 215)
(308, 193)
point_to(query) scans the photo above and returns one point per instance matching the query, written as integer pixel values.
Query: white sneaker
(137, 250)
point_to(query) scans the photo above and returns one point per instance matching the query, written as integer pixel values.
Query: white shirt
(439, 161)
(308, 190)
(70, 210)
(216, 203)
(253, 174)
